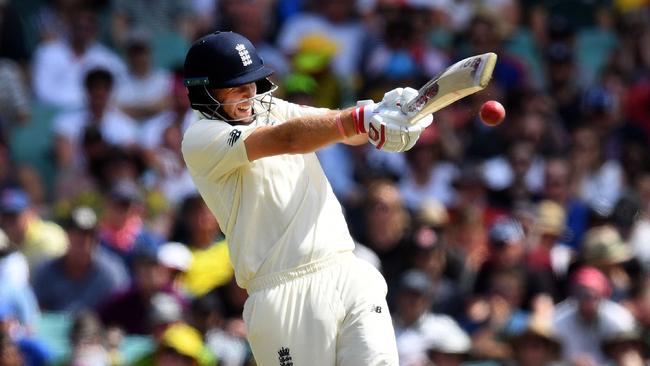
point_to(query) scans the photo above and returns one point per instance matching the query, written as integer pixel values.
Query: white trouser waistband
(274, 279)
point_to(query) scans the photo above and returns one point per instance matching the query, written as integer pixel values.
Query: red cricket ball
(492, 113)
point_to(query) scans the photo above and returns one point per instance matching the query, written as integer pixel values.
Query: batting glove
(387, 126)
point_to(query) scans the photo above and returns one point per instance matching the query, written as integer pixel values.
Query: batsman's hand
(387, 126)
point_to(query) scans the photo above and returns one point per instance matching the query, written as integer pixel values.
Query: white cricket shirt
(277, 212)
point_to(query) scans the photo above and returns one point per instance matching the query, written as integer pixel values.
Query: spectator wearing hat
(415, 326)
(536, 345)
(177, 258)
(588, 316)
(85, 275)
(447, 344)
(604, 249)
(180, 345)
(626, 348)
(557, 188)
(430, 254)
(130, 310)
(122, 228)
(36, 238)
(548, 253)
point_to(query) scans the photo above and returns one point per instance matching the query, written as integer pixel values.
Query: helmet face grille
(211, 108)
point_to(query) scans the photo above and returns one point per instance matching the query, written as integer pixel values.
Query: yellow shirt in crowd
(210, 268)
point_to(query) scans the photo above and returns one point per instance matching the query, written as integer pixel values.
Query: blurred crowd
(522, 244)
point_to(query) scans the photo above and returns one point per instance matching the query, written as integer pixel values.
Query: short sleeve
(213, 149)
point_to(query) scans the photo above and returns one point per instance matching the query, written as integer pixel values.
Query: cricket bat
(459, 80)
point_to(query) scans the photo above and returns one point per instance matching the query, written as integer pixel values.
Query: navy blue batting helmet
(222, 60)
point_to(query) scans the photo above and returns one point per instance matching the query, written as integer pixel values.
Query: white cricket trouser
(325, 313)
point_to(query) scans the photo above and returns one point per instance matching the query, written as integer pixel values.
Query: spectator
(557, 188)
(207, 316)
(588, 317)
(415, 327)
(129, 309)
(447, 343)
(597, 180)
(386, 227)
(548, 253)
(536, 345)
(625, 348)
(32, 350)
(36, 238)
(605, 249)
(161, 136)
(59, 66)
(177, 258)
(143, 93)
(429, 254)
(122, 229)
(14, 269)
(88, 341)
(507, 253)
(179, 345)
(334, 20)
(114, 127)
(211, 265)
(428, 176)
(85, 275)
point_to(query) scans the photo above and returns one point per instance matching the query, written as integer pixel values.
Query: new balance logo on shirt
(234, 136)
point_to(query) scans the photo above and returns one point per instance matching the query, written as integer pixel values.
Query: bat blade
(461, 79)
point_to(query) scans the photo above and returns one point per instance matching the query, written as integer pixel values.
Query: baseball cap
(13, 201)
(82, 218)
(603, 245)
(416, 281)
(447, 338)
(506, 230)
(175, 255)
(591, 278)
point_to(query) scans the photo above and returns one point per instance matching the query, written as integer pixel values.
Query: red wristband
(339, 125)
(358, 117)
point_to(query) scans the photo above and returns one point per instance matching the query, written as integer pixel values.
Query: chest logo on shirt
(285, 357)
(234, 136)
(243, 54)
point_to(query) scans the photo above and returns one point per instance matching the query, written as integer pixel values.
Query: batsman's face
(237, 102)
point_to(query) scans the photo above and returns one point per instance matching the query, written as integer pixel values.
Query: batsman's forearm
(300, 135)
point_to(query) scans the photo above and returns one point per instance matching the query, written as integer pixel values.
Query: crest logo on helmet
(243, 54)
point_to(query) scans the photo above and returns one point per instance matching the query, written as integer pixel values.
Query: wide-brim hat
(539, 330)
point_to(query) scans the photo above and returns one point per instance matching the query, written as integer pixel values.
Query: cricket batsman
(311, 301)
